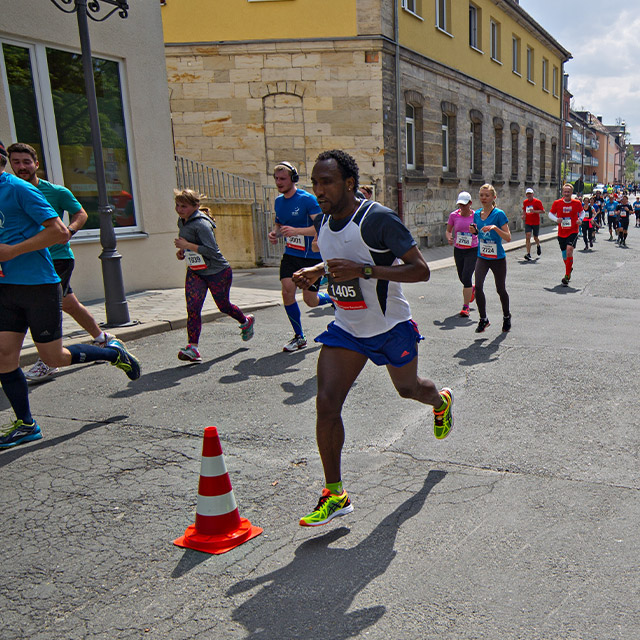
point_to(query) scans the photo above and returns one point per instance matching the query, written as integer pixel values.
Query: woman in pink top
(465, 247)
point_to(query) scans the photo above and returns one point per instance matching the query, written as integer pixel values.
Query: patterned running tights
(195, 291)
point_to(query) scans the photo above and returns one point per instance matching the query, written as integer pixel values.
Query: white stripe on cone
(213, 466)
(216, 505)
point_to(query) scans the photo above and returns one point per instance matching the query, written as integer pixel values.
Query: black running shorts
(64, 268)
(569, 240)
(290, 264)
(34, 306)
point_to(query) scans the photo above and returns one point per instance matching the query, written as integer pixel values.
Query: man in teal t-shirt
(24, 163)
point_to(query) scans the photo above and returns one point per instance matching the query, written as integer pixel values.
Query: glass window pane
(74, 134)
(445, 149)
(410, 145)
(23, 100)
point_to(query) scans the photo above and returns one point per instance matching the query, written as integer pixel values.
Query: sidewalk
(158, 310)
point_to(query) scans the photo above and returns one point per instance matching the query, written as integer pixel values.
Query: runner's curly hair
(347, 165)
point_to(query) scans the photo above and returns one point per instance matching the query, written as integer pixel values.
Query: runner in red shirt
(532, 209)
(567, 212)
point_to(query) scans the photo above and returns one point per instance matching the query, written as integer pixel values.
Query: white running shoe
(40, 372)
(190, 353)
(297, 342)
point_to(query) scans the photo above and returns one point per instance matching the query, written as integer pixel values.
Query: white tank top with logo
(364, 308)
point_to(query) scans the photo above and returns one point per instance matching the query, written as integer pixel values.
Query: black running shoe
(506, 323)
(539, 250)
(482, 325)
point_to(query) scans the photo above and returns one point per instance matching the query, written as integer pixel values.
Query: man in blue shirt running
(295, 211)
(24, 163)
(31, 298)
(610, 206)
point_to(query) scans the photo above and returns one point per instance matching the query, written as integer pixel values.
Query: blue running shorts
(396, 347)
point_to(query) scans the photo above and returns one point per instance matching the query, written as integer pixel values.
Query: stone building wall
(244, 107)
(429, 193)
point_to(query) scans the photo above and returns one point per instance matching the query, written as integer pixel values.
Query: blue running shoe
(126, 360)
(247, 328)
(18, 432)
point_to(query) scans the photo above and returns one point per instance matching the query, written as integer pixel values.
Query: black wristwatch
(367, 270)
(72, 231)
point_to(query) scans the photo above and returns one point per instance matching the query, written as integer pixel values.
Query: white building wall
(148, 257)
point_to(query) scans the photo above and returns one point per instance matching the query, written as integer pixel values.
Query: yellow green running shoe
(443, 419)
(125, 360)
(329, 506)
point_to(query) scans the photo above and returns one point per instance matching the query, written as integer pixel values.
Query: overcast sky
(604, 40)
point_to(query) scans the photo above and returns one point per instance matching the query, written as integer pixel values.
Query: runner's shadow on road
(300, 393)
(9, 455)
(35, 388)
(453, 322)
(172, 376)
(480, 353)
(274, 365)
(310, 597)
(562, 290)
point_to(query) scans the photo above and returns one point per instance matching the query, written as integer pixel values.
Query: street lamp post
(117, 310)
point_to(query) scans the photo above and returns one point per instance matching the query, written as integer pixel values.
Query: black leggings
(466, 264)
(499, 268)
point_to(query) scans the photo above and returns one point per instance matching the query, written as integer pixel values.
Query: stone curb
(29, 355)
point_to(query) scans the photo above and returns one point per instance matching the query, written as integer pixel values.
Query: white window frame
(48, 129)
(555, 81)
(530, 65)
(410, 134)
(472, 155)
(442, 19)
(495, 41)
(445, 143)
(413, 7)
(474, 26)
(516, 46)
(545, 75)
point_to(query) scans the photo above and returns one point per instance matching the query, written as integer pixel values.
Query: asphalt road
(522, 524)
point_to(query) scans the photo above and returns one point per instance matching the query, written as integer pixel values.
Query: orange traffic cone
(219, 527)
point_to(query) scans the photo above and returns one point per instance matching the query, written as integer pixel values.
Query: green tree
(630, 164)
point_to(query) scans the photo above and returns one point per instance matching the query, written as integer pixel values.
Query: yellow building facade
(505, 41)
(431, 97)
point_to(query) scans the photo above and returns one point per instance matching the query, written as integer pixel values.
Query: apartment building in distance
(431, 97)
